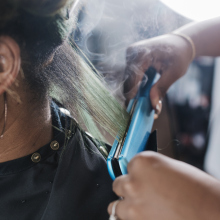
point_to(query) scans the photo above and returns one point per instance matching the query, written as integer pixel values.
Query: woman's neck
(28, 127)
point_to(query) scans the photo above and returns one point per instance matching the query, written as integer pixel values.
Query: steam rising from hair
(109, 27)
(45, 26)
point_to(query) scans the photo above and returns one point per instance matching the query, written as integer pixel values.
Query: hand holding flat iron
(157, 187)
(170, 55)
(160, 188)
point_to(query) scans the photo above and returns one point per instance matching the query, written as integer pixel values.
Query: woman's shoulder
(82, 176)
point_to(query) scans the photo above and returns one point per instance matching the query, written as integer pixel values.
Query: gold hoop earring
(5, 115)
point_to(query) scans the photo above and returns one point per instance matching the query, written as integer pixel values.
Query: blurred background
(188, 125)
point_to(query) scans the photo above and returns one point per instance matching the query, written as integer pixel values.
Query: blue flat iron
(137, 135)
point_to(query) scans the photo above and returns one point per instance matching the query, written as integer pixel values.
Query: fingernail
(158, 107)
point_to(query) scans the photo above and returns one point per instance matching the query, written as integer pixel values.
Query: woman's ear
(10, 62)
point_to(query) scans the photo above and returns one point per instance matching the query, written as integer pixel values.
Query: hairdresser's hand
(159, 188)
(170, 55)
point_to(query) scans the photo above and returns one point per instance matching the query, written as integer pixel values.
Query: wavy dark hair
(53, 65)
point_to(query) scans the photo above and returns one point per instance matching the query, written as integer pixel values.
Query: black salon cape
(69, 183)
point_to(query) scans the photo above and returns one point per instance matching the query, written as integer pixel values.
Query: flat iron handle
(139, 129)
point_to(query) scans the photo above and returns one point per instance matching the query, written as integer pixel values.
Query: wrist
(196, 32)
(212, 201)
(189, 42)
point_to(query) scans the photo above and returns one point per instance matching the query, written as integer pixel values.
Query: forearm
(205, 35)
(204, 197)
(210, 208)
(176, 189)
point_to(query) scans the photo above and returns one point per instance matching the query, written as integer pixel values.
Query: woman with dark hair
(49, 167)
